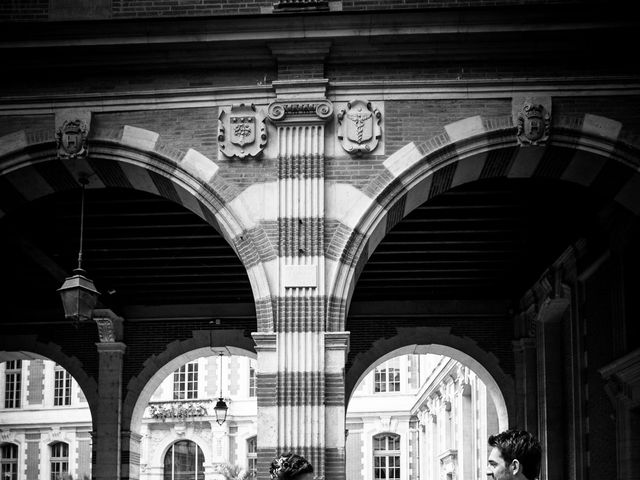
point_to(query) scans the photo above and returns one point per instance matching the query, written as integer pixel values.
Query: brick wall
(419, 120)
(489, 333)
(15, 123)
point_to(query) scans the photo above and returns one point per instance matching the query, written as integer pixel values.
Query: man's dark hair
(289, 466)
(519, 445)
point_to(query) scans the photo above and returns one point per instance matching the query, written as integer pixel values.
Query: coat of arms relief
(242, 132)
(533, 124)
(359, 127)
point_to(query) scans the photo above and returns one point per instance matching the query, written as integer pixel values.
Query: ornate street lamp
(221, 407)
(78, 293)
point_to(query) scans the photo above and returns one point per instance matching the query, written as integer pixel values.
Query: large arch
(135, 158)
(28, 347)
(588, 150)
(440, 341)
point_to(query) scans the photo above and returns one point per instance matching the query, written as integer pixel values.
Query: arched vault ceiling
(486, 240)
(139, 249)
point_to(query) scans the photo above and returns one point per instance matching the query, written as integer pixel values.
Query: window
(62, 387)
(9, 461)
(59, 460)
(252, 382)
(184, 461)
(13, 384)
(185, 382)
(386, 456)
(252, 457)
(387, 378)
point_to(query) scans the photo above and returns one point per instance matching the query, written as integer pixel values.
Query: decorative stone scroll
(242, 132)
(71, 139)
(110, 328)
(533, 124)
(307, 112)
(359, 127)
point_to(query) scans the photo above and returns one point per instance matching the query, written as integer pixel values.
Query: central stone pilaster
(298, 360)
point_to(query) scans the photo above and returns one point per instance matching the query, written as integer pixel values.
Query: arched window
(9, 461)
(252, 456)
(386, 456)
(59, 460)
(184, 461)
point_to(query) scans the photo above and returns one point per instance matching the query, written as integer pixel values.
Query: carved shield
(533, 124)
(72, 139)
(533, 128)
(359, 127)
(243, 130)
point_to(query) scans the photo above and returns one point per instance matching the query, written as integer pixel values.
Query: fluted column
(300, 359)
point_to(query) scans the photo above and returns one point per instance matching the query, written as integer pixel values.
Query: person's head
(290, 466)
(515, 454)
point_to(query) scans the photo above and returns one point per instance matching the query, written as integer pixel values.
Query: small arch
(135, 158)
(582, 150)
(27, 347)
(439, 341)
(141, 387)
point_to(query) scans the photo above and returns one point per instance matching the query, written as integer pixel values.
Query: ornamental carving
(71, 139)
(533, 124)
(110, 327)
(359, 127)
(178, 410)
(242, 132)
(300, 112)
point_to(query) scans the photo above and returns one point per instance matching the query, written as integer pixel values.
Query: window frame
(9, 465)
(58, 465)
(252, 456)
(392, 457)
(386, 379)
(185, 382)
(13, 384)
(64, 399)
(198, 462)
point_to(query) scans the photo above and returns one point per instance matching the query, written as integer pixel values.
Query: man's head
(515, 455)
(290, 466)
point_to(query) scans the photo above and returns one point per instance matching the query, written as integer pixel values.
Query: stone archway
(591, 151)
(135, 158)
(29, 347)
(440, 341)
(141, 388)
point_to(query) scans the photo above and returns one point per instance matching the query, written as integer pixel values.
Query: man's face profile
(498, 469)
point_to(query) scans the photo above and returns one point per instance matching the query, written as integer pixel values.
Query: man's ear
(515, 466)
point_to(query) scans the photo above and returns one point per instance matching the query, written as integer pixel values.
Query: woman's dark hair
(522, 446)
(288, 466)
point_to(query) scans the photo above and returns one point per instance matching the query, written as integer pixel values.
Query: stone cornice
(198, 97)
(427, 21)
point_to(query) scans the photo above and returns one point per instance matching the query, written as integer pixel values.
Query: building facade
(419, 417)
(45, 422)
(318, 185)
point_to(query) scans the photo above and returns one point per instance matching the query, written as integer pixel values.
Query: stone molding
(110, 328)
(623, 377)
(299, 111)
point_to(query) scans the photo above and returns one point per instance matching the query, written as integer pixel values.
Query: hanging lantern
(221, 411)
(79, 296)
(78, 293)
(221, 407)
